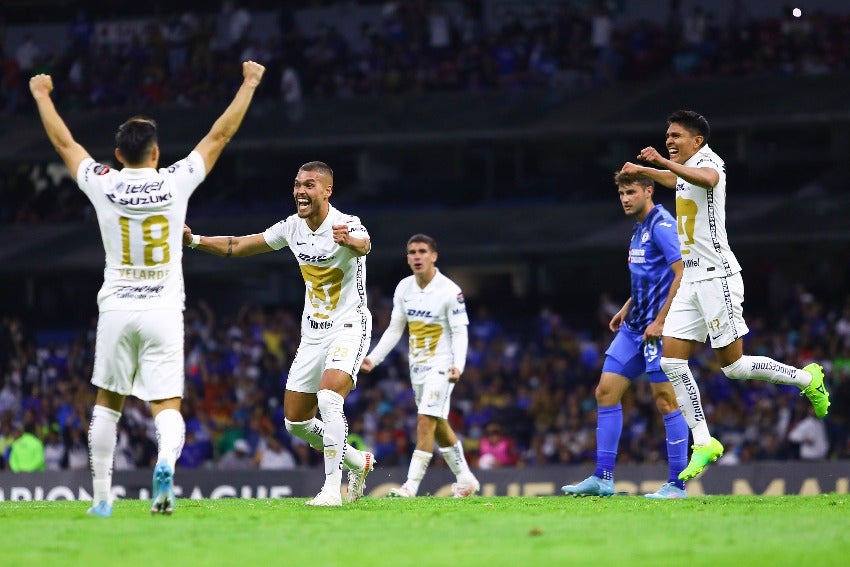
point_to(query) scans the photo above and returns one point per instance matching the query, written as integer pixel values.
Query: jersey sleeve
(277, 235)
(91, 175)
(667, 239)
(187, 173)
(456, 309)
(356, 228)
(713, 161)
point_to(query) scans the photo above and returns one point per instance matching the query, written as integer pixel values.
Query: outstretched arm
(71, 152)
(227, 246)
(211, 146)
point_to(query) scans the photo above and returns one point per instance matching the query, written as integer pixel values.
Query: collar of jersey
(137, 171)
(327, 224)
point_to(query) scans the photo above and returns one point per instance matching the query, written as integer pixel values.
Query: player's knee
(738, 370)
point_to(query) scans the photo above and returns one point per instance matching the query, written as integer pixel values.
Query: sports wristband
(196, 239)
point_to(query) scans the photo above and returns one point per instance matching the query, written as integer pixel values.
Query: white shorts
(433, 394)
(140, 353)
(708, 308)
(342, 349)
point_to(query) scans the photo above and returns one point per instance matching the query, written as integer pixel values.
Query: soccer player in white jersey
(141, 211)
(336, 326)
(432, 307)
(709, 300)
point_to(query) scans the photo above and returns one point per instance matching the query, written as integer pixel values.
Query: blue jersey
(654, 246)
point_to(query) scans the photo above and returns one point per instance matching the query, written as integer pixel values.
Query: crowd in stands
(526, 397)
(416, 46)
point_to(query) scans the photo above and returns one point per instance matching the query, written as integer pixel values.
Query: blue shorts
(629, 356)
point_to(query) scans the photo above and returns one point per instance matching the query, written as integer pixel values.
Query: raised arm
(227, 246)
(211, 146)
(704, 177)
(71, 152)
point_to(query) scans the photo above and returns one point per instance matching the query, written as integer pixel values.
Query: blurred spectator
(496, 449)
(239, 458)
(810, 435)
(27, 451)
(272, 455)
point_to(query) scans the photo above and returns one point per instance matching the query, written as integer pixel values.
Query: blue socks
(677, 445)
(609, 426)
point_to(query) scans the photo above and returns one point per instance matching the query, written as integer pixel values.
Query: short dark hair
(318, 166)
(423, 238)
(693, 122)
(136, 138)
(621, 179)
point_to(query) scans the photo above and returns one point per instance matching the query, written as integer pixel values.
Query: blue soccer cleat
(101, 510)
(668, 491)
(591, 486)
(163, 489)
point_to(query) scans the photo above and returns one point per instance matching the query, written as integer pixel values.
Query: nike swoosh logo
(676, 442)
(300, 243)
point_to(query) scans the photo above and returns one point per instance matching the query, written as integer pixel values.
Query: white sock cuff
(424, 455)
(672, 363)
(106, 413)
(329, 399)
(738, 370)
(167, 415)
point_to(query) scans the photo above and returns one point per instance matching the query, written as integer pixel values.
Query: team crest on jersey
(460, 298)
(645, 236)
(101, 169)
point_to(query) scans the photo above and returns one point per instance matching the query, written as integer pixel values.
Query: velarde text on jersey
(142, 274)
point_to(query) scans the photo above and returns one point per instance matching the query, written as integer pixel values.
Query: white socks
(456, 460)
(336, 430)
(687, 394)
(103, 435)
(170, 435)
(313, 430)
(416, 471)
(767, 369)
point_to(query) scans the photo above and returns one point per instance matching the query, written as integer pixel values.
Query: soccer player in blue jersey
(655, 265)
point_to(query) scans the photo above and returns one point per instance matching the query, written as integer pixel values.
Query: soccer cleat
(102, 509)
(700, 458)
(466, 488)
(326, 497)
(401, 492)
(591, 486)
(668, 491)
(163, 489)
(357, 479)
(816, 391)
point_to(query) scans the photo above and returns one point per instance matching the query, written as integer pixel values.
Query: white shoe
(467, 488)
(326, 497)
(401, 492)
(357, 479)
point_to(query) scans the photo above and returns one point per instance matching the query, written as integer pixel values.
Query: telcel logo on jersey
(314, 259)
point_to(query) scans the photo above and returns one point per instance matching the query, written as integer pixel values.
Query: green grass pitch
(482, 531)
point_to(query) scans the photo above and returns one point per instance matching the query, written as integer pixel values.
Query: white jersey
(701, 220)
(334, 276)
(436, 324)
(141, 214)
